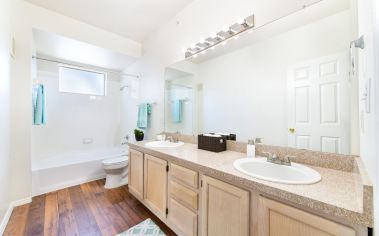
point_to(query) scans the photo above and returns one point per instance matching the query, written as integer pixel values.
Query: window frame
(86, 70)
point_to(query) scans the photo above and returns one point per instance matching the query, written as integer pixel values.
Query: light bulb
(240, 20)
(225, 28)
(193, 45)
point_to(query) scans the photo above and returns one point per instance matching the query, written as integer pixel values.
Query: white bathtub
(65, 170)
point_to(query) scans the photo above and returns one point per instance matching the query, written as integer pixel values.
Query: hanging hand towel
(39, 105)
(144, 111)
(177, 111)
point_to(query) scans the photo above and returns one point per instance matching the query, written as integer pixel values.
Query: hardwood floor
(86, 209)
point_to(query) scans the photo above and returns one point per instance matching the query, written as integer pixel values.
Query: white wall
(25, 17)
(245, 92)
(368, 25)
(71, 118)
(5, 80)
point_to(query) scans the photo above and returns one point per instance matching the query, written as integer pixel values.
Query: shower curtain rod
(68, 64)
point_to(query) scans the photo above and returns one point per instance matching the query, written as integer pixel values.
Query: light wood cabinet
(184, 175)
(155, 181)
(277, 219)
(183, 200)
(216, 208)
(184, 195)
(182, 218)
(135, 176)
(225, 209)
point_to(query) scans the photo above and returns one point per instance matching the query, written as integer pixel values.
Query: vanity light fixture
(242, 25)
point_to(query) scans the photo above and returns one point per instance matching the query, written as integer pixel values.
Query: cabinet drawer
(182, 218)
(185, 175)
(184, 194)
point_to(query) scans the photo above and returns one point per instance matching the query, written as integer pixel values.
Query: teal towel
(39, 105)
(177, 111)
(144, 111)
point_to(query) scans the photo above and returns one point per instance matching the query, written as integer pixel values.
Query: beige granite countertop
(341, 194)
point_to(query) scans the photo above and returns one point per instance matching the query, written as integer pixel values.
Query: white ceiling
(60, 47)
(134, 19)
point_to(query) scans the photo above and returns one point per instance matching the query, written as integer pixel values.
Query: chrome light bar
(242, 25)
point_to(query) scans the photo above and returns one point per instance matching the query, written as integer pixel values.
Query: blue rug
(145, 228)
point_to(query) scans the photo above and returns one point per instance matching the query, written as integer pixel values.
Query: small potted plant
(138, 134)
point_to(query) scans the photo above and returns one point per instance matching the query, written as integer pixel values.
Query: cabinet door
(156, 185)
(277, 219)
(225, 209)
(135, 177)
(182, 218)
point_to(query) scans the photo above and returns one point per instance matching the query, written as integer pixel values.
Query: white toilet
(117, 171)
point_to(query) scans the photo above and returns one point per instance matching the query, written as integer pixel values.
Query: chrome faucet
(273, 158)
(172, 139)
(126, 140)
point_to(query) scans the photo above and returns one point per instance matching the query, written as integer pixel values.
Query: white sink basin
(261, 169)
(163, 144)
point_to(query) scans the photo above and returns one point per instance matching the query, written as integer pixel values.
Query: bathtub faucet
(126, 140)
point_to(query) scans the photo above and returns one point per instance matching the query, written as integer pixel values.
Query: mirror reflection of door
(319, 104)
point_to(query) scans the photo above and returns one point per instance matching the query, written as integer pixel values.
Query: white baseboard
(9, 211)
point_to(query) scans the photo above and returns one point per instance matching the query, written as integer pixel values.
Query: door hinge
(166, 211)
(167, 168)
(201, 183)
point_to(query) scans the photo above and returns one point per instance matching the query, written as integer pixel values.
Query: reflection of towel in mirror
(177, 111)
(39, 105)
(144, 111)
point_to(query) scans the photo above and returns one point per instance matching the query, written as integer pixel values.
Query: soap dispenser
(250, 148)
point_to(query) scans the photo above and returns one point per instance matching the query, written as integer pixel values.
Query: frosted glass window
(73, 80)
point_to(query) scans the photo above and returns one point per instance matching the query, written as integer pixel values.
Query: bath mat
(145, 228)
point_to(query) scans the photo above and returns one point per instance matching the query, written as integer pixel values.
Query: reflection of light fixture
(228, 31)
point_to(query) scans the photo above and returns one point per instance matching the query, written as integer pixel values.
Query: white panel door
(319, 104)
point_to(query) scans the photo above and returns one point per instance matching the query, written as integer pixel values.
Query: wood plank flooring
(86, 209)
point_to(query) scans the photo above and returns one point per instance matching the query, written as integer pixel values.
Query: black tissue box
(213, 144)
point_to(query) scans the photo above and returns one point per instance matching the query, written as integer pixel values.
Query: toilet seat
(115, 161)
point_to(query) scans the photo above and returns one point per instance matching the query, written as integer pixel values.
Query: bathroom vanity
(196, 192)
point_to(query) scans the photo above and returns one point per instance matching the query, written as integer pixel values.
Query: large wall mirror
(288, 83)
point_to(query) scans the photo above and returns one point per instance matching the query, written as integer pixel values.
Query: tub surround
(345, 193)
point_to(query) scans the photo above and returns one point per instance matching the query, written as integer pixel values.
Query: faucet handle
(287, 159)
